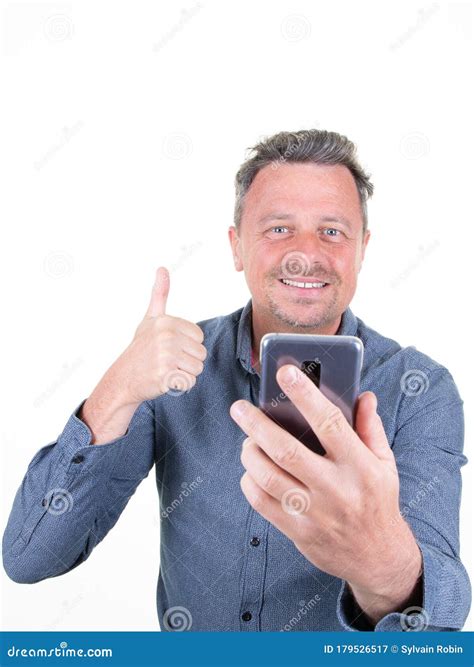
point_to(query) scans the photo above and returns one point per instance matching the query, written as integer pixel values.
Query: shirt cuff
(74, 443)
(353, 619)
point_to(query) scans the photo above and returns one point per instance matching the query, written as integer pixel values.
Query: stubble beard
(328, 312)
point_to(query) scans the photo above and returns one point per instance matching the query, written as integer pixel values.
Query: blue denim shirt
(223, 567)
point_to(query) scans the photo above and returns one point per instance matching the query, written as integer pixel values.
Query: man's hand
(341, 510)
(165, 353)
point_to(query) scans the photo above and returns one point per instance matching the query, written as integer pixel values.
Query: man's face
(301, 222)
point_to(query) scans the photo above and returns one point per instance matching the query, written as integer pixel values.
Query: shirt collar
(347, 327)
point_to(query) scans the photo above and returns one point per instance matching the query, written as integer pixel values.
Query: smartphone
(333, 363)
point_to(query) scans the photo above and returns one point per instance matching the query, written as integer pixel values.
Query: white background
(123, 126)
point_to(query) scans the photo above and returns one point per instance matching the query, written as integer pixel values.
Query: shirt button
(246, 616)
(78, 459)
(44, 501)
(255, 541)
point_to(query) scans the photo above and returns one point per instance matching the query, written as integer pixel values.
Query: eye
(332, 232)
(272, 229)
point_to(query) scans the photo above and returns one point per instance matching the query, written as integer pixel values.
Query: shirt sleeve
(72, 494)
(428, 449)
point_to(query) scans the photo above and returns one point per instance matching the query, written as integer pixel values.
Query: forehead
(317, 188)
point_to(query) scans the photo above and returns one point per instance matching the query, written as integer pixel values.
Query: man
(259, 533)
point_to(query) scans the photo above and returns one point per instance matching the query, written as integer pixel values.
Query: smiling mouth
(303, 285)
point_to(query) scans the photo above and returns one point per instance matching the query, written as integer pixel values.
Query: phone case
(333, 363)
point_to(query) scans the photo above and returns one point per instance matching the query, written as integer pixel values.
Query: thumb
(159, 293)
(369, 426)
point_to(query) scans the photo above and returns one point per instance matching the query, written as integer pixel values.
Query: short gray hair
(318, 146)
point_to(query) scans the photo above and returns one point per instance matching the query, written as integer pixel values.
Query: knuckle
(346, 453)
(287, 454)
(166, 335)
(164, 360)
(333, 421)
(269, 480)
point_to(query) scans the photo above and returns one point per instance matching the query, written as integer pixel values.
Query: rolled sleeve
(72, 494)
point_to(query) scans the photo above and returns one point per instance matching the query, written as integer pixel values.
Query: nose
(311, 247)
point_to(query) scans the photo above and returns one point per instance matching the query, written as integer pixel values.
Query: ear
(235, 246)
(364, 246)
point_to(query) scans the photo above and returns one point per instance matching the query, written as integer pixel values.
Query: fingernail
(237, 409)
(290, 373)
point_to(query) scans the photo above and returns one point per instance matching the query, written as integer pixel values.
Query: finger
(190, 364)
(192, 347)
(189, 329)
(272, 510)
(324, 417)
(284, 450)
(159, 293)
(369, 426)
(270, 477)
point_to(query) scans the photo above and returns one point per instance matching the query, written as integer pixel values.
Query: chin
(305, 316)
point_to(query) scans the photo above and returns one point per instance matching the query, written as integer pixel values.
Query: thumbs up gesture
(166, 353)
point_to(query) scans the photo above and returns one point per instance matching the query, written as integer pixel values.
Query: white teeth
(293, 283)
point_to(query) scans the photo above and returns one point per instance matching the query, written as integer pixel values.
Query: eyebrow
(288, 216)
